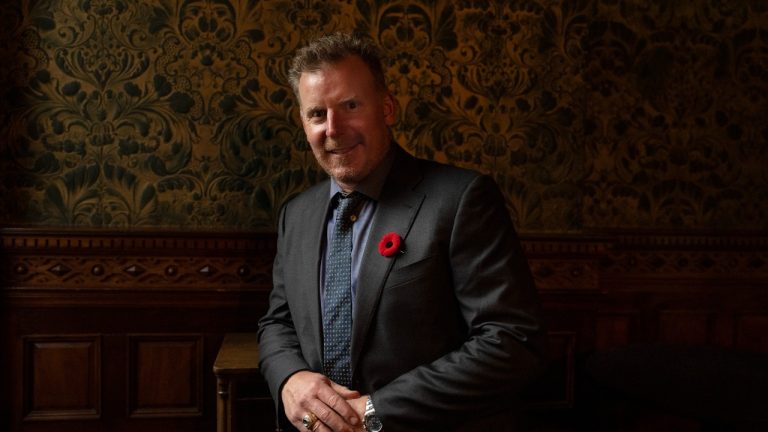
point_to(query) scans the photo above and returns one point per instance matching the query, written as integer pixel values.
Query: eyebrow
(344, 101)
(311, 109)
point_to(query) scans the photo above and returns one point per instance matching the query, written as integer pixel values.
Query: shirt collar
(372, 186)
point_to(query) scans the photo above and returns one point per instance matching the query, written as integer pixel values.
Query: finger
(345, 392)
(320, 427)
(317, 427)
(340, 412)
(329, 417)
(311, 392)
(298, 391)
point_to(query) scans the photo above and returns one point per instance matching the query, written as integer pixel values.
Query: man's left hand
(358, 404)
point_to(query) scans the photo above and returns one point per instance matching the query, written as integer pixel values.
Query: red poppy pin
(390, 244)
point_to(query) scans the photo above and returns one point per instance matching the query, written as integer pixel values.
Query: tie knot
(348, 206)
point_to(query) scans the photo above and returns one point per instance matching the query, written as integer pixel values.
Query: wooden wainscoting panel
(555, 388)
(165, 375)
(751, 332)
(62, 379)
(687, 327)
(612, 330)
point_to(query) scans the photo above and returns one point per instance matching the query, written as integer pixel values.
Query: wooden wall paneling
(159, 303)
(10, 359)
(751, 331)
(556, 387)
(613, 330)
(688, 327)
(62, 377)
(567, 278)
(165, 375)
(561, 265)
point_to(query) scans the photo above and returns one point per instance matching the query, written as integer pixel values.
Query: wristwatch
(370, 421)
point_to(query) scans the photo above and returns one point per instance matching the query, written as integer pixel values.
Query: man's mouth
(342, 150)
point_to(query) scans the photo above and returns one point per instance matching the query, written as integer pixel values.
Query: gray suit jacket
(444, 333)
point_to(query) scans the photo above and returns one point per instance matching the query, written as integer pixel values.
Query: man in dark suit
(442, 327)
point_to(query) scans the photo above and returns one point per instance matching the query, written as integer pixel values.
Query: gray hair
(332, 49)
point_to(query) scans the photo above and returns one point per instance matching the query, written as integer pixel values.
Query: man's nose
(334, 124)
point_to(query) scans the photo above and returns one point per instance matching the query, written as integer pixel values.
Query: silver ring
(309, 420)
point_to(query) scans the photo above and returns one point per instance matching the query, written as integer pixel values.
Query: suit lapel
(312, 247)
(395, 212)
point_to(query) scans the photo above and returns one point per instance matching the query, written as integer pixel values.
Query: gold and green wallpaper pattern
(590, 114)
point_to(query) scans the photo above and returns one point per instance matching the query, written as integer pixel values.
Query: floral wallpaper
(590, 114)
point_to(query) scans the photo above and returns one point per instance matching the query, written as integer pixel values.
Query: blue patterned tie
(337, 314)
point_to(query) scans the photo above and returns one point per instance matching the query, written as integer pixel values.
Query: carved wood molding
(213, 262)
(149, 262)
(591, 263)
(715, 258)
(98, 241)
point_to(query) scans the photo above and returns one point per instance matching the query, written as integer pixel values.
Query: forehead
(350, 73)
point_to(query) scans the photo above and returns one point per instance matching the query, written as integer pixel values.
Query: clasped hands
(336, 407)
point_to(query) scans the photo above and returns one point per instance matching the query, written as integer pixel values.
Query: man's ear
(390, 109)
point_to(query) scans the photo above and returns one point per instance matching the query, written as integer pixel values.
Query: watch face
(373, 424)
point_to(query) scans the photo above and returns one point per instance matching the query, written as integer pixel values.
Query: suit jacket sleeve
(497, 352)
(280, 354)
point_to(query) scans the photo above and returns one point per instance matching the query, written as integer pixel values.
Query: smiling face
(346, 118)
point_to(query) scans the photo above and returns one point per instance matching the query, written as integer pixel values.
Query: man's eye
(351, 105)
(315, 114)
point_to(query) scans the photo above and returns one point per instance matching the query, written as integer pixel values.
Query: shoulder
(452, 180)
(307, 202)
(429, 174)
(445, 171)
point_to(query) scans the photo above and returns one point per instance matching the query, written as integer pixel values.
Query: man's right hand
(308, 392)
